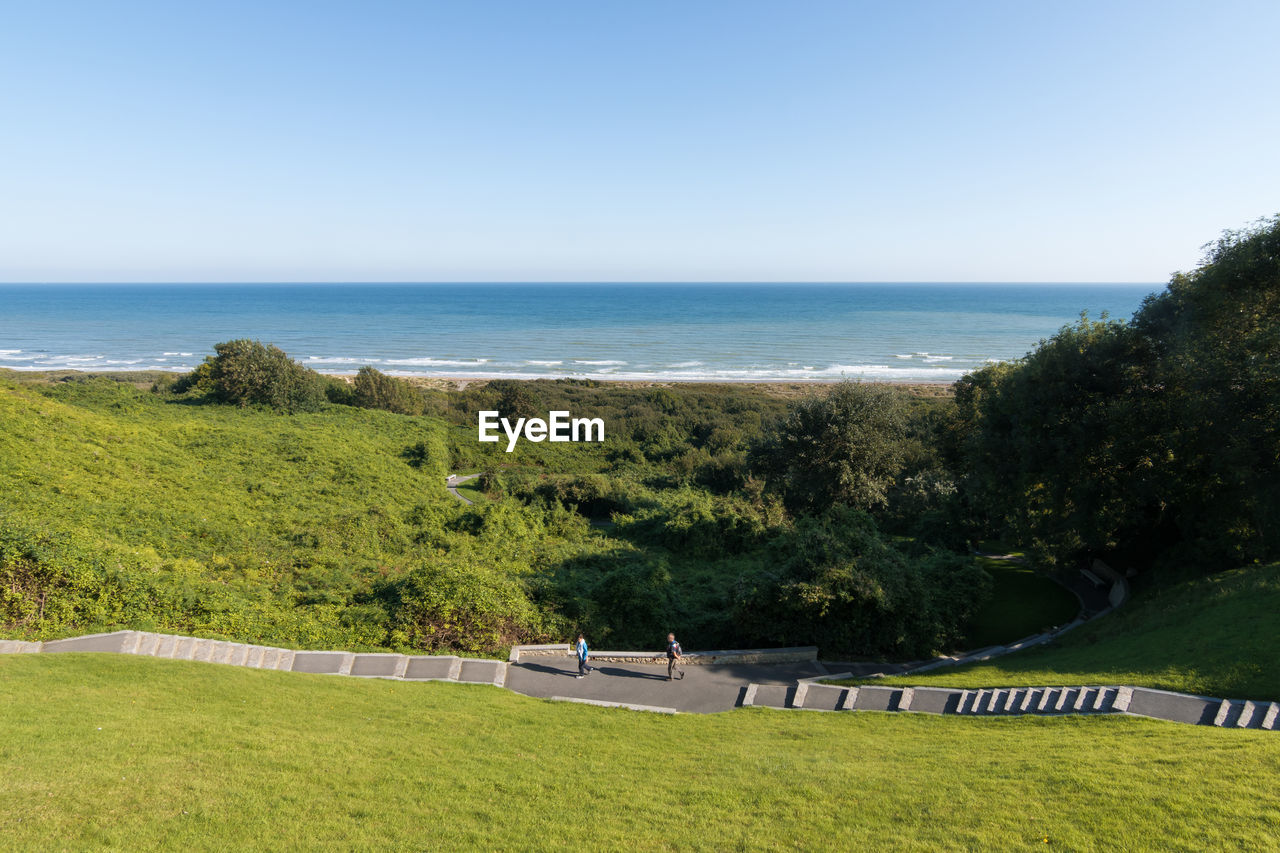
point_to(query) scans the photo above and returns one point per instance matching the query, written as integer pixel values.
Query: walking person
(583, 651)
(674, 654)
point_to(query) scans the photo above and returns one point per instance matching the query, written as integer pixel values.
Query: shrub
(450, 604)
(375, 390)
(246, 372)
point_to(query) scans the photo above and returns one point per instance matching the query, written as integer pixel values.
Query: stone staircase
(359, 665)
(813, 695)
(1044, 700)
(808, 694)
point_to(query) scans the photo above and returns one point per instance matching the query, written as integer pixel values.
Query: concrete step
(1047, 700)
(323, 662)
(478, 671)
(1269, 717)
(824, 697)
(147, 644)
(164, 646)
(431, 667)
(1228, 713)
(380, 664)
(203, 651)
(184, 648)
(774, 696)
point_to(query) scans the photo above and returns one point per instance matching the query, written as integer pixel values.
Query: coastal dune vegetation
(258, 500)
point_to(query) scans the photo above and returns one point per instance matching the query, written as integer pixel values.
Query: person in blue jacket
(583, 651)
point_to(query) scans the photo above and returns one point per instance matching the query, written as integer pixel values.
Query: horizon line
(588, 282)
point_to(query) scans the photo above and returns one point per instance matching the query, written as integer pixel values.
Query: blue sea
(723, 332)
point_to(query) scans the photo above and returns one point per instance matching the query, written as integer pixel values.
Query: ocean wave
(904, 356)
(339, 359)
(439, 362)
(53, 360)
(686, 364)
(933, 358)
(543, 363)
(757, 373)
(178, 353)
(605, 362)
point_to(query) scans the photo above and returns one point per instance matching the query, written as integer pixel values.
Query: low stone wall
(799, 654)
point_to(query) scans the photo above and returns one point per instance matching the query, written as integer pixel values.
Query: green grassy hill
(202, 757)
(207, 482)
(125, 508)
(1214, 636)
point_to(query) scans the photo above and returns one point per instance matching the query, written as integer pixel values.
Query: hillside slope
(124, 508)
(203, 757)
(1214, 635)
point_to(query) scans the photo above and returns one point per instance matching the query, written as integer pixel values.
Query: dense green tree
(844, 447)
(514, 400)
(839, 583)
(1156, 441)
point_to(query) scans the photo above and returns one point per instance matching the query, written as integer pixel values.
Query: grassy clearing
(1022, 603)
(471, 493)
(1213, 635)
(128, 753)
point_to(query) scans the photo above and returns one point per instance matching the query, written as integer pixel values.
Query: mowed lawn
(114, 752)
(1214, 636)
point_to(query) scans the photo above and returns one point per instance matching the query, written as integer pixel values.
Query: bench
(1097, 582)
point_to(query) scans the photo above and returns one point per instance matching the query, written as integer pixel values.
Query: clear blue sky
(647, 140)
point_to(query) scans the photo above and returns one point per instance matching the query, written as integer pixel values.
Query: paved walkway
(705, 688)
(454, 480)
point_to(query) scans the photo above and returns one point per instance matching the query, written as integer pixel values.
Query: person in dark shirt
(674, 653)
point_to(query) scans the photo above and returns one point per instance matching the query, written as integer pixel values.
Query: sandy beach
(792, 389)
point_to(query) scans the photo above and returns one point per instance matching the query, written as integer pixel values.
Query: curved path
(636, 680)
(454, 480)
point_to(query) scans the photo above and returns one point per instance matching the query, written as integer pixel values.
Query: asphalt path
(704, 689)
(454, 481)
